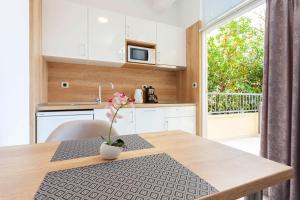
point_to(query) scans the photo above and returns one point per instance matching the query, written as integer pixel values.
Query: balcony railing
(225, 103)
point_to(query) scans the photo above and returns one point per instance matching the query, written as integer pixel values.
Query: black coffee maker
(150, 96)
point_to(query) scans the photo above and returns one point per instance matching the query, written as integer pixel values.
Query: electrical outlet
(64, 85)
(194, 85)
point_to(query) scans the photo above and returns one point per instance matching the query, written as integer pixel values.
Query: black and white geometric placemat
(90, 147)
(151, 177)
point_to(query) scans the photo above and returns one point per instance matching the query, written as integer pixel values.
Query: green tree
(235, 58)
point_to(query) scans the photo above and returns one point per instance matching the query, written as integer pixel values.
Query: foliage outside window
(235, 65)
(235, 58)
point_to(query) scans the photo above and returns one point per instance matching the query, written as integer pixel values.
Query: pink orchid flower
(115, 103)
(113, 116)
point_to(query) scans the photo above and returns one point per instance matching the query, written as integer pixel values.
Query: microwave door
(139, 55)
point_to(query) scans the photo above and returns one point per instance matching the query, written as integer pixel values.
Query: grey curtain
(281, 104)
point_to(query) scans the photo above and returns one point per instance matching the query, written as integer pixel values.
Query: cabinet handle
(166, 125)
(122, 54)
(132, 120)
(158, 56)
(127, 31)
(82, 49)
(149, 110)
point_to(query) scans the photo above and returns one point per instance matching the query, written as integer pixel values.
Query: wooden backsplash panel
(84, 81)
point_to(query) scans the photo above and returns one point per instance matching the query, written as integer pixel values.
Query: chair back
(81, 129)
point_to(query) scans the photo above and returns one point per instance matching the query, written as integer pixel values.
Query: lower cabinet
(149, 120)
(187, 124)
(181, 118)
(124, 126)
(134, 120)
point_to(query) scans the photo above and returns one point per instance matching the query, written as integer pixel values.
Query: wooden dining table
(232, 172)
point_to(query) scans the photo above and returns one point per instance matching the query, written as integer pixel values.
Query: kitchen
(89, 53)
(108, 103)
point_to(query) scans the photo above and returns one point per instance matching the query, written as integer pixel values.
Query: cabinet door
(172, 124)
(140, 30)
(124, 126)
(180, 111)
(64, 29)
(171, 45)
(187, 124)
(149, 120)
(46, 125)
(106, 36)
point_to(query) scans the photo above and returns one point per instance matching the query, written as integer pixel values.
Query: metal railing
(225, 103)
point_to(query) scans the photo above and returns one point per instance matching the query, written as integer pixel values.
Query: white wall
(14, 72)
(230, 126)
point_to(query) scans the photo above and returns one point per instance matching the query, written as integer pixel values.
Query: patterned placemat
(90, 147)
(151, 177)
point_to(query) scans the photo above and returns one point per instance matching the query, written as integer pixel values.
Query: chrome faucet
(99, 99)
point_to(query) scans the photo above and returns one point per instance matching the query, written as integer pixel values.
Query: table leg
(255, 196)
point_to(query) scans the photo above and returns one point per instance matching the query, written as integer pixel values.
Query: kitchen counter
(92, 105)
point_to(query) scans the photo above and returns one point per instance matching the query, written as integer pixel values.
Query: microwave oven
(141, 55)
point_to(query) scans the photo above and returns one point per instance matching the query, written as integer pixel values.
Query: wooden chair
(81, 129)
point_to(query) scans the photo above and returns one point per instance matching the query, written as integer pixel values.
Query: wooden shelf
(140, 44)
(138, 66)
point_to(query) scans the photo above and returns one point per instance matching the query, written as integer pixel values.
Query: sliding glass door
(233, 55)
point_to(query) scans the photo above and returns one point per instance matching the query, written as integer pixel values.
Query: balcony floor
(247, 144)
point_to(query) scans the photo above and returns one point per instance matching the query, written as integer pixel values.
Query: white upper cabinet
(64, 29)
(171, 45)
(106, 36)
(75, 31)
(140, 30)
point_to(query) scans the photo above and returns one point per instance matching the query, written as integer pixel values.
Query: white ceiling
(161, 5)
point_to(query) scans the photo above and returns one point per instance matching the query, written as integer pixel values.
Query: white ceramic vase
(108, 152)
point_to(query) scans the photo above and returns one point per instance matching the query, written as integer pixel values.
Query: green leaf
(236, 58)
(118, 143)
